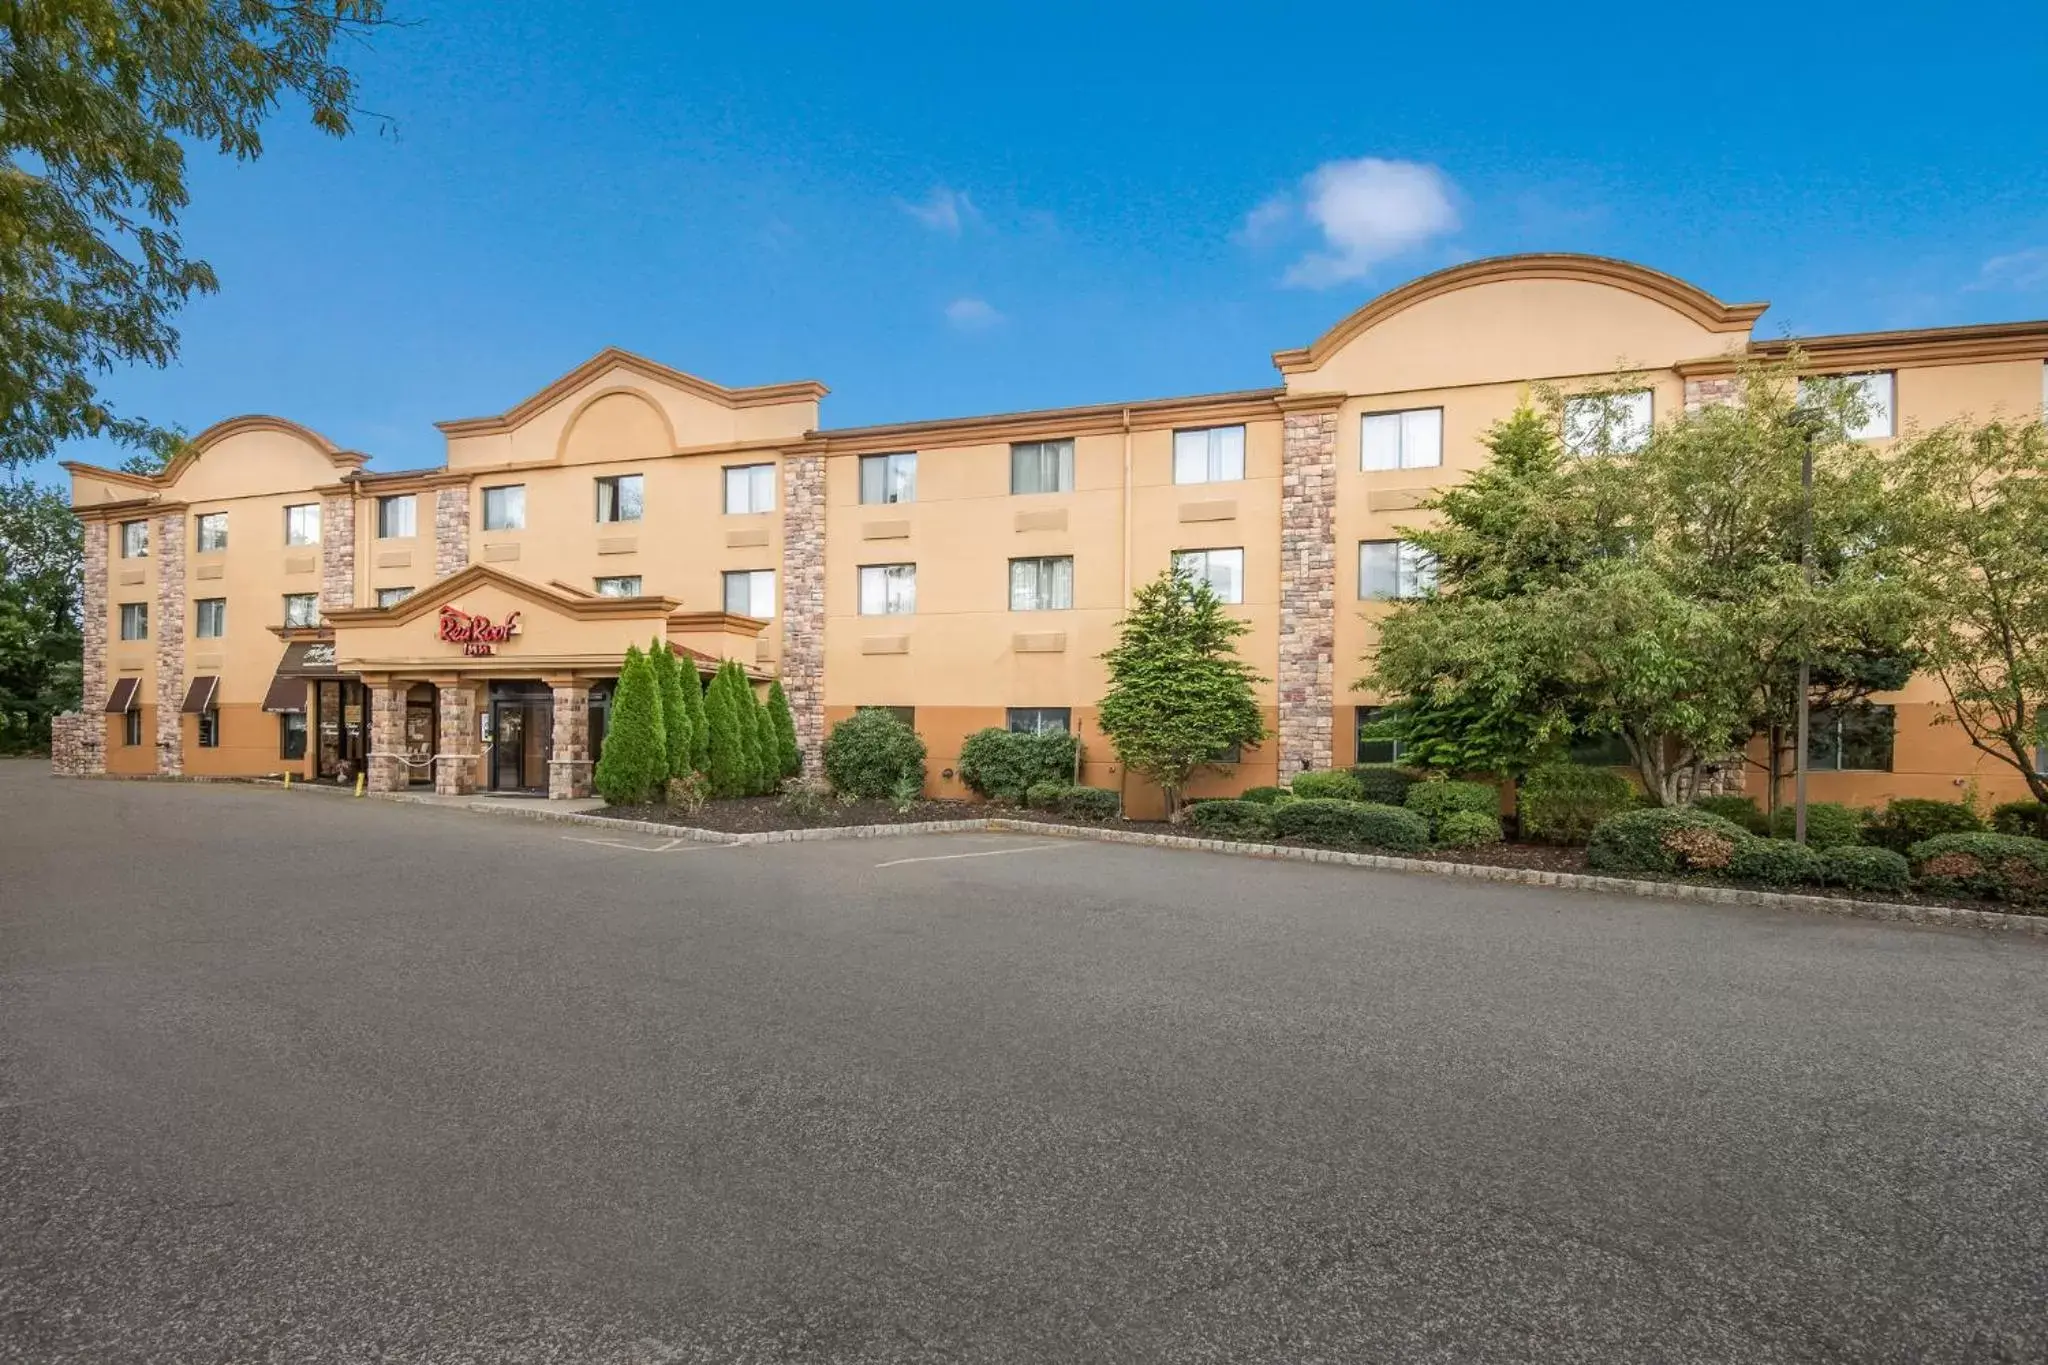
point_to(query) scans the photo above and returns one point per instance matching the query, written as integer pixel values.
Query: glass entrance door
(522, 736)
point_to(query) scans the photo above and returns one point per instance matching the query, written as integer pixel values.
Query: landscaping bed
(766, 814)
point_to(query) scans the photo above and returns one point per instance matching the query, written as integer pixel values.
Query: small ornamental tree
(700, 726)
(1179, 697)
(771, 750)
(727, 770)
(635, 758)
(675, 711)
(789, 759)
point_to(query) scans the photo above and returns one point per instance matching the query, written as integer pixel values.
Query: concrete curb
(1939, 916)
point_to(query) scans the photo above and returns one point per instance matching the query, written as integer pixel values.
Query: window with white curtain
(302, 608)
(505, 507)
(749, 488)
(1392, 569)
(397, 517)
(1222, 570)
(1411, 439)
(213, 532)
(1208, 455)
(1042, 467)
(888, 589)
(134, 540)
(1874, 393)
(888, 478)
(1607, 423)
(1042, 584)
(748, 592)
(625, 585)
(210, 618)
(391, 597)
(302, 524)
(620, 497)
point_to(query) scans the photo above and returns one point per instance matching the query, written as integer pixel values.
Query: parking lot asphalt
(301, 1078)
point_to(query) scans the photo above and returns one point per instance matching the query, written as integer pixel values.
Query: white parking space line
(670, 846)
(985, 853)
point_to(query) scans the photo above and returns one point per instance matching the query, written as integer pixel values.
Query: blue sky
(959, 209)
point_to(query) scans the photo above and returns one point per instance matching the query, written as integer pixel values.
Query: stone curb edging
(1941, 916)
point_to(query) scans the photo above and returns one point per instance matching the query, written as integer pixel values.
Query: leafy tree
(1179, 696)
(700, 726)
(98, 104)
(728, 771)
(40, 648)
(1976, 504)
(789, 758)
(634, 763)
(675, 708)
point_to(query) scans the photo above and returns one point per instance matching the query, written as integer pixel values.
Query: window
(1372, 745)
(397, 517)
(1040, 720)
(618, 498)
(1873, 396)
(888, 589)
(1413, 439)
(505, 508)
(213, 532)
(624, 585)
(1042, 467)
(302, 609)
(749, 488)
(134, 540)
(135, 620)
(209, 729)
(1393, 569)
(906, 714)
(302, 524)
(391, 597)
(291, 734)
(1042, 584)
(1853, 739)
(1222, 570)
(210, 618)
(131, 727)
(1607, 423)
(888, 478)
(1208, 455)
(751, 592)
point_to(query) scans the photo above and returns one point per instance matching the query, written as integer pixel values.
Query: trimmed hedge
(1467, 829)
(1382, 783)
(2002, 867)
(1233, 819)
(1562, 803)
(1264, 796)
(1667, 839)
(1910, 819)
(1829, 824)
(1434, 800)
(1004, 765)
(1046, 795)
(1777, 862)
(1741, 810)
(1352, 824)
(1862, 868)
(870, 753)
(2029, 819)
(1326, 787)
(1091, 803)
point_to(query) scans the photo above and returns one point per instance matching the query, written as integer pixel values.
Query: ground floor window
(1375, 744)
(906, 714)
(209, 729)
(131, 727)
(1041, 720)
(1853, 739)
(291, 734)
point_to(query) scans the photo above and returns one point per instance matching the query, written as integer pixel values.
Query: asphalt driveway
(299, 1078)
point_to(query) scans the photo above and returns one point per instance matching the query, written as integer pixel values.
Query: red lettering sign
(477, 635)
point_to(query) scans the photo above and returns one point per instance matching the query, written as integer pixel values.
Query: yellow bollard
(359, 784)
(287, 779)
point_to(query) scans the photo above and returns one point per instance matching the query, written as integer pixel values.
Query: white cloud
(972, 314)
(1368, 210)
(2018, 270)
(944, 210)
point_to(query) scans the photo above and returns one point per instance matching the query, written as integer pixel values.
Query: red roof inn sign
(478, 635)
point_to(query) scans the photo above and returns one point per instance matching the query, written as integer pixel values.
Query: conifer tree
(635, 758)
(750, 732)
(700, 726)
(727, 761)
(771, 750)
(675, 709)
(789, 759)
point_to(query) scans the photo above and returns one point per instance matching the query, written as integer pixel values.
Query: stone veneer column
(387, 770)
(67, 743)
(1308, 583)
(170, 643)
(455, 740)
(1707, 393)
(92, 708)
(803, 601)
(451, 530)
(569, 765)
(338, 551)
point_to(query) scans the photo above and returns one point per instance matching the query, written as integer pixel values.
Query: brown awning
(199, 695)
(123, 697)
(286, 694)
(308, 659)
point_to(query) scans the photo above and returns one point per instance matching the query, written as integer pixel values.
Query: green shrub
(725, 763)
(1434, 800)
(2000, 867)
(771, 748)
(1664, 839)
(1326, 787)
(1351, 824)
(1003, 765)
(1233, 819)
(1091, 803)
(1562, 803)
(1383, 783)
(1829, 824)
(1740, 810)
(870, 752)
(1910, 819)
(675, 710)
(2029, 819)
(1046, 795)
(1264, 796)
(1777, 862)
(1467, 829)
(700, 725)
(789, 759)
(1862, 868)
(634, 763)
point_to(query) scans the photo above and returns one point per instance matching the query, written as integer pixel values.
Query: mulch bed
(763, 814)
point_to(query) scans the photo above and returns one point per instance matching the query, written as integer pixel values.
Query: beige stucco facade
(1469, 343)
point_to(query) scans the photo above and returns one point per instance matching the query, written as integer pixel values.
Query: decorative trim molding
(612, 357)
